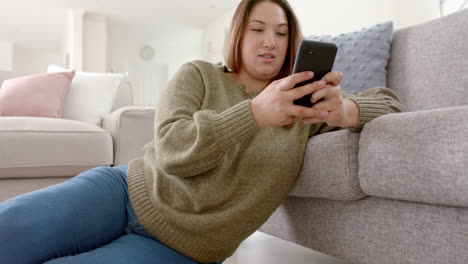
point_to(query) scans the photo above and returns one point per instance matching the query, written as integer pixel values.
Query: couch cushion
(45, 147)
(428, 67)
(417, 156)
(91, 95)
(362, 56)
(38, 95)
(122, 98)
(330, 168)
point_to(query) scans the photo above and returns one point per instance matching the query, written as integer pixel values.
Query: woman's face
(264, 42)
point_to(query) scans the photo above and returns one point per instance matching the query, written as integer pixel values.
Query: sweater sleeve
(189, 141)
(372, 103)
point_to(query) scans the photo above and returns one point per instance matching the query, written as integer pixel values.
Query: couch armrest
(417, 156)
(131, 127)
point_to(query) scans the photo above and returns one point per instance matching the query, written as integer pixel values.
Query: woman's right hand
(274, 106)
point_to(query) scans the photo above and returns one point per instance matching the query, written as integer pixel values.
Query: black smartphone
(313, 56)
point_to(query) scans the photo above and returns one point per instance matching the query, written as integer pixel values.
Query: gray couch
(398, 191)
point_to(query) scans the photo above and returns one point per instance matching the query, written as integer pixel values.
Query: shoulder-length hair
(232, 54)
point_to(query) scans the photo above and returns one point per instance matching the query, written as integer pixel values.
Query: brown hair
(232, 54)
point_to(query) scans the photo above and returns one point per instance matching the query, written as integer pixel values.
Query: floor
(261, 248)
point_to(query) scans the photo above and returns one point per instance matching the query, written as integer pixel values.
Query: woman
(227, 148)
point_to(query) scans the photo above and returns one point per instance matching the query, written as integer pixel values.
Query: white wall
(17, 57)
(213, 38)
(323, 17)
(333, 17)
(74, 43)
(95, 43)
(36, 34)
(411, 12)
(173, 47)
(6, 55)
(178, 46)
(29, 60)
(451, 6)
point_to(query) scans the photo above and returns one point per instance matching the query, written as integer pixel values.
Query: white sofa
(39, 152)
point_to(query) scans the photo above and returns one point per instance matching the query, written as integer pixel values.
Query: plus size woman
(228, 145)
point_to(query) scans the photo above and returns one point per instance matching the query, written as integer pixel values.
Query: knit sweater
(211, 177)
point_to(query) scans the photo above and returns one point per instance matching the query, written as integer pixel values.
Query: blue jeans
(87, 219)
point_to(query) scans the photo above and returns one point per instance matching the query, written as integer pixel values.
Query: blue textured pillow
(362, 56)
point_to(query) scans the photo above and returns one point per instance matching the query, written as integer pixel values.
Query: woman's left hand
(336, 111)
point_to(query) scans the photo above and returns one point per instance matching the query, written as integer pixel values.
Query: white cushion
(91, 95)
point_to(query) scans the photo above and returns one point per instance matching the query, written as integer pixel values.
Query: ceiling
(43, 22)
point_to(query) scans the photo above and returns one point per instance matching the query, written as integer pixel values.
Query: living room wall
(172, 47)
(36, 37)
(331, 17)
(6, 55)
(77, 39)
(48, 41)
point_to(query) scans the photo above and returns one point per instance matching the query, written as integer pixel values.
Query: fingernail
(323, 113)
(310, 73)
(321, 83)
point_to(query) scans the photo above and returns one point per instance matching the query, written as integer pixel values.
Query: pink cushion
(39, 95)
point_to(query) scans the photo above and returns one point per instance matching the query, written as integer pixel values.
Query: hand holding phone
(317, 57)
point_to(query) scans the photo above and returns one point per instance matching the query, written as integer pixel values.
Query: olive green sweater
(211, 177)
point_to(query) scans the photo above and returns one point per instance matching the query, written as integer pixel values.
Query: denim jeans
(87, 219)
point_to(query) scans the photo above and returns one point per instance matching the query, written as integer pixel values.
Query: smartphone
(313, 56)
